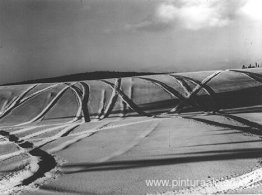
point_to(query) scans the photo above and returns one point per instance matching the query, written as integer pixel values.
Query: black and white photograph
(130, 97)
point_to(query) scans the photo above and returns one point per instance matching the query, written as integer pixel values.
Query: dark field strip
(46, 161)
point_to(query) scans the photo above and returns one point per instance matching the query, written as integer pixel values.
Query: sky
(47, 38)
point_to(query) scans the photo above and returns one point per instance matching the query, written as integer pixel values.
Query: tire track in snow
(62, 133)
(40, 132)
(79, 136)
(124, 107)
(22, 98)
(76, 139)
(122, 114)
(22, 130)
(171, 91)
(40, 163)
(4, 106)
(37, 154)
(195, 91)
(209, 91)
(251, 75)
(131, 145)
(47, 108)
(102, 104)
(84, 134)
(10, 155)
(82, 99)
(37, 93)
(16, 101)
(130, 103)
(187, 89)
(244, 181)
(85, 101)
(113, 99)
(78, 95)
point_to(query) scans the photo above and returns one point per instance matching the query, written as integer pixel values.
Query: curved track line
(10, 155)
(209, 91)
(22, 130)
(78, 93)
(187, 89)
(115, 126)
(62, 133)
(205, 87)
(244, 181)
(134, 143)
(42, 132)
(85, 101)
(20, 100)
(251, 75)
(166, 87)
(4, 106)
(16, 101)
(47, 108)
(113, 98)
(11, 101)
(83, 98)
(171, 91)
(124, 108)
(199, 86)
(101, 109)
(81, 135)
(129, 102)
(38, 92)
(76, 139)
(243, 121)
(40, 163)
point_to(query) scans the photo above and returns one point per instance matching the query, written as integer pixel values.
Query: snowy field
(110, 136)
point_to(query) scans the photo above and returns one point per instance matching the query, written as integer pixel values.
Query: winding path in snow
(42, 162)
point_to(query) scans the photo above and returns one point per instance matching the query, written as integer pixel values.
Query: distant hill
(84, 76)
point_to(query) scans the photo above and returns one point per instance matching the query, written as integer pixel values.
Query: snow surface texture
(34, 116)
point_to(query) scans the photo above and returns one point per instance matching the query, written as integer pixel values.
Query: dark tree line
(250, 66)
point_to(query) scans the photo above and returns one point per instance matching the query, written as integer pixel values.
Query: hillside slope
(148, 124)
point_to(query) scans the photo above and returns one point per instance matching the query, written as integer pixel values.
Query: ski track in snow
(36, 170)
(129, 146)
(247, 180)
(14, 182)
